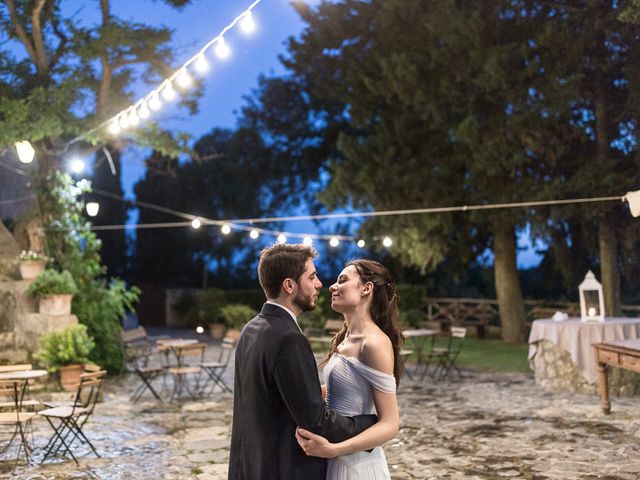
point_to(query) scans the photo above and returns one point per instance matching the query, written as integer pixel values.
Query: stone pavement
(485, 426)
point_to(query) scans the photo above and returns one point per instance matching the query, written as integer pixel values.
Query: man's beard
(305, 303)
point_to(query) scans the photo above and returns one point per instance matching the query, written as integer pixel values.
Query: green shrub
(209, 305)
(412, 317)
(72, 345)
(52, 282)
(235, 315)
(411, 297)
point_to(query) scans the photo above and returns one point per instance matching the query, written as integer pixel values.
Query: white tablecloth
(576, 337)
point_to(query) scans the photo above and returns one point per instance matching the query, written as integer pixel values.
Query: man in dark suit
(276, 378)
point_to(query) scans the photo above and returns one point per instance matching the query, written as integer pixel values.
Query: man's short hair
(280, 261)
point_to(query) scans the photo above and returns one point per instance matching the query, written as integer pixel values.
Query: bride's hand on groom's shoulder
(315, 445)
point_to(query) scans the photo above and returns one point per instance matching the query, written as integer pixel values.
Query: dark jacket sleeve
(297, 380)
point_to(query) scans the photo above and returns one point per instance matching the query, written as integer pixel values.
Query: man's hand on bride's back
(315, 445)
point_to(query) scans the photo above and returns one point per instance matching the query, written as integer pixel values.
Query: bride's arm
(378, 355)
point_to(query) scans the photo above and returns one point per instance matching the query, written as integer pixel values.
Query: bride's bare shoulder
(377, 352)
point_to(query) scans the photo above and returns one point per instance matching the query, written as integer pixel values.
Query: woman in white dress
(362, 372)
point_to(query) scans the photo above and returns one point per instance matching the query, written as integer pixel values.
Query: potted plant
(31, 264)
(235, 315)
(54, 291)
(66, 351)
(208, 309)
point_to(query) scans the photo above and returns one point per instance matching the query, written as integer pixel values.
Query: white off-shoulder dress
(350, 385)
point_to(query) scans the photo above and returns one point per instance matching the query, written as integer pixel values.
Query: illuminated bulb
(77, 165)
(184, 80)
(307, 241)
(387, 242)
(334, 242)
(124, 122)
(154, 102)
(225, 229)
(282, 238)
(361, 243)
(196, 223)
(201, 63)
(168, 93)
(114, 128)
(143, 112)
(247, 24)
(254, 233)
(592, 312)
(199, 329)
(133, 118)
(92, 208)
(222, 49)
(25, 151)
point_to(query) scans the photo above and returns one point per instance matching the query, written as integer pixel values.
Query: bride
(362, 370)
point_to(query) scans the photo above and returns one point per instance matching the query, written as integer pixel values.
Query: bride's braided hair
(383, 310)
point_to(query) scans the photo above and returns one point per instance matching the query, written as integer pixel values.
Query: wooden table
(618, 353)
(418, 342)
(23, 375)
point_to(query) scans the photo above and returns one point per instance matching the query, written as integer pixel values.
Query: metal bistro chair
(445, 357)
(215, 370)
(71, 418)
(189, 358)
(15, 416)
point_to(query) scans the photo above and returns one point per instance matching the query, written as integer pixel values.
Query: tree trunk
(609, 267)
(510, 304)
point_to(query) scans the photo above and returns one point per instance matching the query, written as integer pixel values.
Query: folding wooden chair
(189, 358)
(215, 370)
(448, 361)
(71, 418)
(15, 416)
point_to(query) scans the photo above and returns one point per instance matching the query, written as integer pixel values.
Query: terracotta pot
(216, 330)
(70, 376)
(30, 269)
(55, 305)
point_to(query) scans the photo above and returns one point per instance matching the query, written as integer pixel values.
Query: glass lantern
(591, 299)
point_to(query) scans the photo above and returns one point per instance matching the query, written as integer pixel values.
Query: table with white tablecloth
(576, 338)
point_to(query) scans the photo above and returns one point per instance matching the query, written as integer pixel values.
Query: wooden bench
(461, 312)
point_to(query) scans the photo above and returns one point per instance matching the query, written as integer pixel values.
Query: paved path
(486, 426)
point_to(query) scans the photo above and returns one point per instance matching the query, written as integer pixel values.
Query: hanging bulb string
(167, 83)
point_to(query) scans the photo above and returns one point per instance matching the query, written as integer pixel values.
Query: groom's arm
(296, 376)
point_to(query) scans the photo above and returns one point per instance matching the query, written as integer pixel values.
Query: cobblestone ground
(485, 426)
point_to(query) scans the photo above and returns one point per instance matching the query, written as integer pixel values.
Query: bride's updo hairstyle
(383, 309)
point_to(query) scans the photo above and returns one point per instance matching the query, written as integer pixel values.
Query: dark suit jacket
(277, 389)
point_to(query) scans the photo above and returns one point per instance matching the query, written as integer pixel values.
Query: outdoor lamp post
(591, 299)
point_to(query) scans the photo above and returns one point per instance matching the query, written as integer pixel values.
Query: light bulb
(154, 102)
(133, 118)
(387, 242)
(76, 165)
(247, 24)
(196, 223)
(361, 243)
(334, 242)
(184, 80)
(168, 93)
(225, 229)
(222, 49)
(114, 128)
(201, 63)
(282, 238)
(92, 208)
(199, 329)
(254, 233)
(124, 122)
(143, 112)
(25, 151)
(307, 240)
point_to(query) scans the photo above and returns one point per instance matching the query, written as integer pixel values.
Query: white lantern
(92, 208)
(591, 299)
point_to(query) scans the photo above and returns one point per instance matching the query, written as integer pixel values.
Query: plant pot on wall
(55, 304)
(217, 330)
(70, 376)
(30, 269)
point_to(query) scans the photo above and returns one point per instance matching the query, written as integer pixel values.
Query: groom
(276, 378)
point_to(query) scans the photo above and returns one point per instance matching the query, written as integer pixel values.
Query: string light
(181, 76)
(307, 240)
(387, 242)
(225, 229)
(196, 223)
(334, 242)
(254, 233)
(124, 121)
(361, 243)
(133, 118)
(92, 208)
(76, 165)
(282, 238)
(143, 111)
